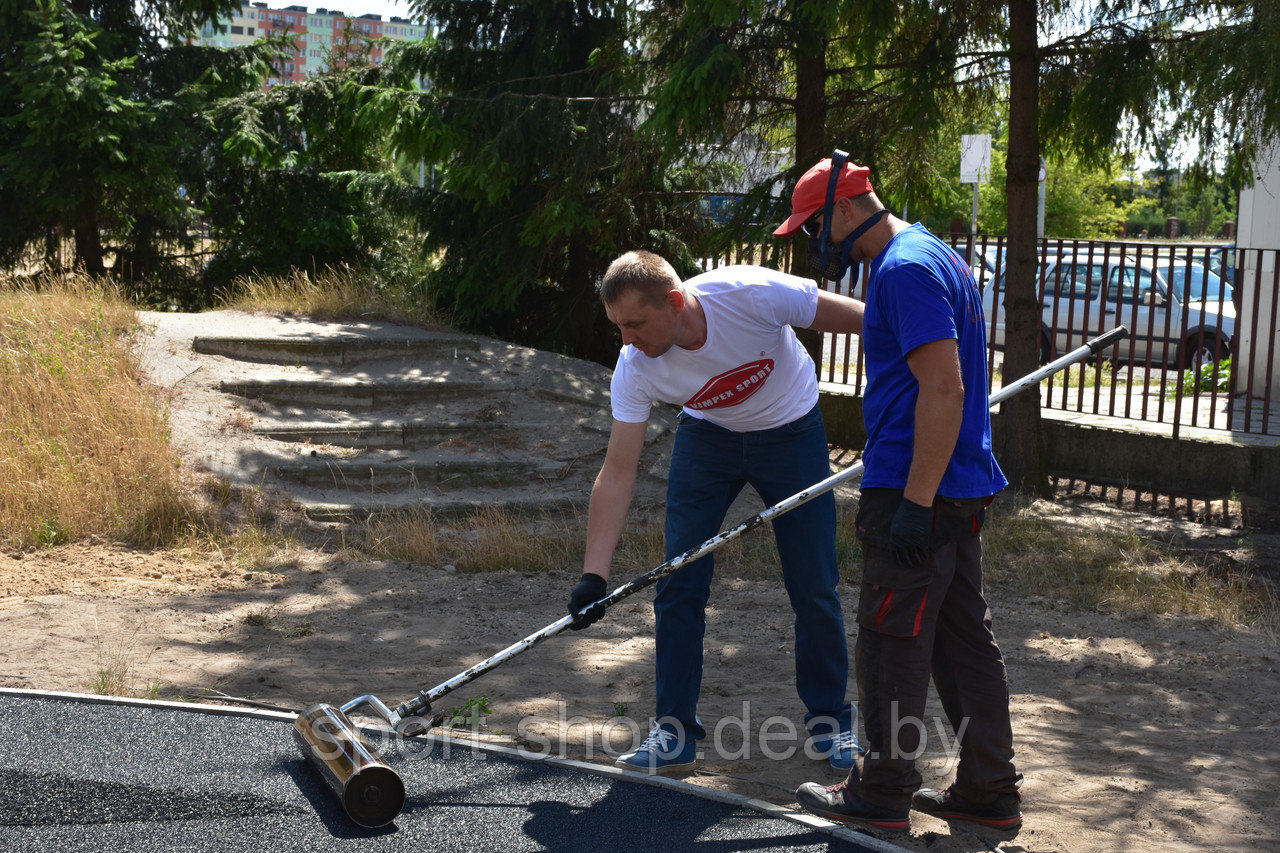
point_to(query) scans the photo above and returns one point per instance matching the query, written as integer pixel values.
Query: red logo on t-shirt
(732, 387)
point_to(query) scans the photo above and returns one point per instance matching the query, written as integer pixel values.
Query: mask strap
(838, 160)
(866, 226)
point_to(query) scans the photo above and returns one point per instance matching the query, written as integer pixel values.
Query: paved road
(85, 776)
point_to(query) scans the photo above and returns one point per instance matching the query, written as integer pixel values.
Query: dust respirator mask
(830, 260)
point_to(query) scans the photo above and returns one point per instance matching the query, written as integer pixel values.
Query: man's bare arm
(837, 313)
(611, 496)
(939, 410)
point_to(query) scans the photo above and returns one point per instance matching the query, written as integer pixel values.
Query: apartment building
(315, 34)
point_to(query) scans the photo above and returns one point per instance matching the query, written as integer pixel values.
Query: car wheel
(1202, 349)
(1046, 349)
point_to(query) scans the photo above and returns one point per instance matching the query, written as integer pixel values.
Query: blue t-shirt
(920, 291)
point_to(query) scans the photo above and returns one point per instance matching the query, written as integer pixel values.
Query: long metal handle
(1087, 349)
(426, 697)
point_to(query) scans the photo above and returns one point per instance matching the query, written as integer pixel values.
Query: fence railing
(1191, 309)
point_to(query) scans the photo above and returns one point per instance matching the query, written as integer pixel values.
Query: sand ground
(1133, 732)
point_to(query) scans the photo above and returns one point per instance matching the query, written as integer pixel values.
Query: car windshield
(1204, 285)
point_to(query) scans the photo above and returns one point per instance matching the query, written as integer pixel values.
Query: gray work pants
(930, 620)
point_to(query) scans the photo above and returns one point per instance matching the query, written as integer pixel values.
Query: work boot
(837, 802)
(1005, 812)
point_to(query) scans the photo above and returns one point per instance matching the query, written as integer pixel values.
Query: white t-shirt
(751, 374)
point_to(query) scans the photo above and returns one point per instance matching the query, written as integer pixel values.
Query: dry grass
(114, 672)
(495, 540)
(1103, 567)
(84, 440)
(240, 528)
(490, 539)
(259, 618)
(1075, 375)
(332, 294)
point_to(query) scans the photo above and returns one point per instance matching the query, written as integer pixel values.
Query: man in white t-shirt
(722, 346)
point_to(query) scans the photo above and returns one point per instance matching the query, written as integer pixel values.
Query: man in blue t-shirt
(930, 473)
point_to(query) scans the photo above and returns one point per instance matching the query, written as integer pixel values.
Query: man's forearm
(839, 314)
(937, 423)
(606, 518)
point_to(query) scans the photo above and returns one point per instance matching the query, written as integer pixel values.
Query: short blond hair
(644, 272)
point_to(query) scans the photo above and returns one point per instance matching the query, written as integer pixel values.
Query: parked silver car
(1179, 314)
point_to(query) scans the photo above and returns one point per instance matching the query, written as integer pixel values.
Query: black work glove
(909, 533)
(588, 591)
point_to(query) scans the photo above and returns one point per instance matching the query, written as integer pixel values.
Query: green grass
(470, 715)
(1212, 377)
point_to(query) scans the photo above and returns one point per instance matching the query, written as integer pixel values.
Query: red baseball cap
(811, 192)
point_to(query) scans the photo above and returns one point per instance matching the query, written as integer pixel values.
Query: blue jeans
(709, 467)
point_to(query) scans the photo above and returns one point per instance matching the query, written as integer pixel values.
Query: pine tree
(1205, 69)
(542, 180)
(101, 123)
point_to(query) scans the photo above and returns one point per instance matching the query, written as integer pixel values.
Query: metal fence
(1191, 308)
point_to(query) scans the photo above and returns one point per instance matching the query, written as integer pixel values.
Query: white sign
(975, 158)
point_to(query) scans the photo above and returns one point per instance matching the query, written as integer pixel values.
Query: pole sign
(975, 158)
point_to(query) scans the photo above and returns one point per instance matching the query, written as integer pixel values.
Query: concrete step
(390, 476)
(347, 393)
(529, 506)
(382, 434)
(349, 420)
(568, 388)
(333, 350)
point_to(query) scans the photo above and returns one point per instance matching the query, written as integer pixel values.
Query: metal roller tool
(372, 793)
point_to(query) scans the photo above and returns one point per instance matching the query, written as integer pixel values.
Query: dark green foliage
(299, 181)
(541, 177)
(104, 125)
(1165, 72)
(67, 125)
(877, 79)
(1234, 101)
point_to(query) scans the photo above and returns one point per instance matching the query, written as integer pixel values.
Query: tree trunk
(53, 248)
(811, 131)
(1021, 444)
(583, 327)
(811, 92)
(89, 238)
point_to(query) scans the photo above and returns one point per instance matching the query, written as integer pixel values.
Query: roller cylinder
(371, 793)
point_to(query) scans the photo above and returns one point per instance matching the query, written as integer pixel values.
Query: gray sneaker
(838, 803)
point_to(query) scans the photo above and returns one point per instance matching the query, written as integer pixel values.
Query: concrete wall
(842, 413)
(1182, 467)
(1259, 228)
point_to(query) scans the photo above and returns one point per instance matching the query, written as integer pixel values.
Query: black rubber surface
(78, 776)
